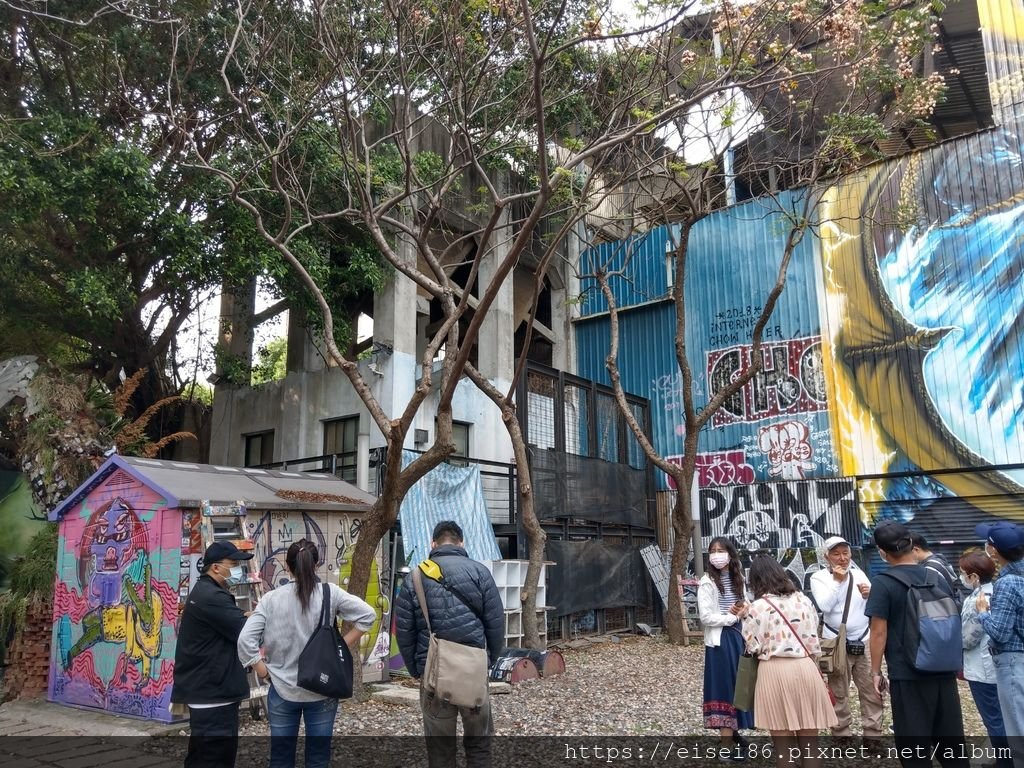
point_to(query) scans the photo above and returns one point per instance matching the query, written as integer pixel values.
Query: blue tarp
(446, 493)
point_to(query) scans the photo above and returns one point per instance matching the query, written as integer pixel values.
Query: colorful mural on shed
(116, 602)
(335, 536)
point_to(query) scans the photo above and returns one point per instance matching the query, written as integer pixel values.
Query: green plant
(32, 575)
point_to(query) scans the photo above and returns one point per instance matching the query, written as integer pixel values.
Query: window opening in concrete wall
(340, 440)
(259, 448)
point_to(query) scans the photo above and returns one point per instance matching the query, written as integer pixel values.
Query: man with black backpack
(915, 624)
(450, 605)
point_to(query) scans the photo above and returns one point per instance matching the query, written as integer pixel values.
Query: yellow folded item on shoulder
(431, 569)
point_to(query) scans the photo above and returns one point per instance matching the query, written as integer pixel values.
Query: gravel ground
(632, 686)
(640, 686)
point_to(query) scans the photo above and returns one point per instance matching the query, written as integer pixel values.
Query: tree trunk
(378, 521)
(376, 524)
(682, 528)
(535, 535)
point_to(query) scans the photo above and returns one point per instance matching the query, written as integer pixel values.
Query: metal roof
(187, 485)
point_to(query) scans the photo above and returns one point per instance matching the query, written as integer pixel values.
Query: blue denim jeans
(986, 699)
(284, 730)
(1010, 682)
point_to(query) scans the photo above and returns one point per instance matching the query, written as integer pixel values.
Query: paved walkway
(38, 734)
(76, 752)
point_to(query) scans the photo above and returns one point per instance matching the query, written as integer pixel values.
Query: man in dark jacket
(938, 564)
(207, 674)
(480, 625)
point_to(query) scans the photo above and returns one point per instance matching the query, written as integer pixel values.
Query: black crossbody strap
(849, 594)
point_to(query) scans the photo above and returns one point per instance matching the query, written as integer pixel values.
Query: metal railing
(341, 465)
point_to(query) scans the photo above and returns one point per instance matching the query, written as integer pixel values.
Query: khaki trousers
(440, 723)
(858, 669)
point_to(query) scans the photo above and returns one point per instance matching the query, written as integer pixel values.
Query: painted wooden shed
(129, 551)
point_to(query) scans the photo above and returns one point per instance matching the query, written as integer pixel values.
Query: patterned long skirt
(720, 683)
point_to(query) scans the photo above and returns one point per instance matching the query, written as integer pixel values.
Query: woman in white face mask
(976, 573)
(721, 603)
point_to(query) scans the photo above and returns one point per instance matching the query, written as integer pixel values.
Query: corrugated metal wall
(897, 349)
(645, 357)
(921, 354)
(1002, 29)
(643, 264)
(732, 264)
(924, 324)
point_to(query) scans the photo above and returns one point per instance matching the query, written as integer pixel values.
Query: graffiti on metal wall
(928, 361)
(376, 643)
(780, 517)
(275, 532)
(791, 380)
(717, 468)
(190, 556)
(114, 618)
(790, 449)
(335, 536)
(667, 399)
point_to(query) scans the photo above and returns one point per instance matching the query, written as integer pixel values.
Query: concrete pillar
(392, 363)
(564, 308)
(303, 354)
(223, 440)
(394, 308)
(496, 342)
(363, 456)
(237, 307)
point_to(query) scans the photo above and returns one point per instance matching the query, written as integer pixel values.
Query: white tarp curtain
(446, 493)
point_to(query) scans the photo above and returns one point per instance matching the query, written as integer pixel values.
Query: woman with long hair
(282, 624)
(790, 699)
(721, 605)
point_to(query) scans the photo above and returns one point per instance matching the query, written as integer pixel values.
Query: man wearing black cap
(207, 674)
(926, 715)
(935, 562)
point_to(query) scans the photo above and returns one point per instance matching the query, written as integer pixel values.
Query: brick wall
(29, 657)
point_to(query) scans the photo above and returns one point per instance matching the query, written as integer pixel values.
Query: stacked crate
(510, 577)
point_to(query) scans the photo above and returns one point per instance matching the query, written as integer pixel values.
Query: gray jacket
(978, 664)
(450, 618)
(279, 625)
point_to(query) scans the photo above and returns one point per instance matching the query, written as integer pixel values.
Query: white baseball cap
(834, 541)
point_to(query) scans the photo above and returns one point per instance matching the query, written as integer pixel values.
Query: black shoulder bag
(325, 664)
